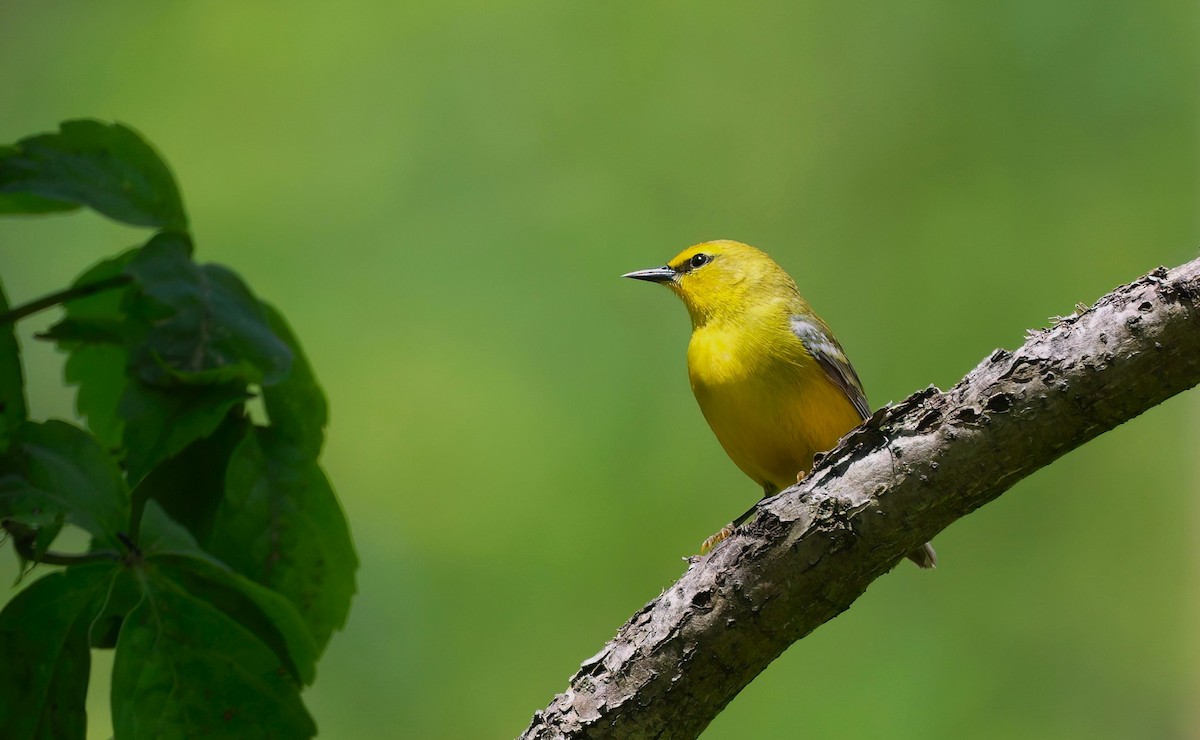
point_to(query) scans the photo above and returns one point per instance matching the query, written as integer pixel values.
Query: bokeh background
(440, 197)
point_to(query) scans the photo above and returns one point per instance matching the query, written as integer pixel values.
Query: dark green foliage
(184, 670)
(31, 204)
(296, 404)
(93, 332)
(159, 422)
(204, 326)
(289, 531)
(220, 561)
(292, 534)
(106, 167)
(58, 468)
(44, 641)
(189, 486)
(172, 552)
(12, 381)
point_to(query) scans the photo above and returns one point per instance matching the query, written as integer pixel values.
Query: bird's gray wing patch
(820, 343)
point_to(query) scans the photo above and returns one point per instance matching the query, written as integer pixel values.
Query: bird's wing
(819, 342)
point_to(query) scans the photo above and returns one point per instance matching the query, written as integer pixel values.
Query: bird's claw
(716, 539)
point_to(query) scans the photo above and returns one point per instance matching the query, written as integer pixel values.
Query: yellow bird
(771, 380)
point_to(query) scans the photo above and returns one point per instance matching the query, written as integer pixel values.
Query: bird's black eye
(699, 260)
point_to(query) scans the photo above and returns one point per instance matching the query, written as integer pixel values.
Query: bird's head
(722, 279)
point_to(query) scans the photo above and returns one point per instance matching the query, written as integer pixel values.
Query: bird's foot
(716, 539)
(801, 476)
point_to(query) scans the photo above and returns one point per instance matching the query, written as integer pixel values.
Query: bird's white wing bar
(819, 342)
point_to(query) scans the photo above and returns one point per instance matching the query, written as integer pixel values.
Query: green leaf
(281, 525)
(99, 372)
(24, 504)
(295, 405)
(123, 595)
(106, 305)
(25, 204)
(12, 380)
(190, 485)
(159, 534)
(173, 552)
(30, 516)
(74, 331)
(93, 335)
(185, 669)
(64, 469)
(267, 615)
(44, 652)
(160, 423)
(207, 325)
(107, 167)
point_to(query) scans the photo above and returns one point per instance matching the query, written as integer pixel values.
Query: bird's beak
(662, 274)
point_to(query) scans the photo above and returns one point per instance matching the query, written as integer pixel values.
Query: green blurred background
(440, 197)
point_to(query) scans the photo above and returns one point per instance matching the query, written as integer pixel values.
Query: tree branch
(63, 296)
(903, 476)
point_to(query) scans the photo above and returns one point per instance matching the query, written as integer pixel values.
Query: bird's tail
(924, 556)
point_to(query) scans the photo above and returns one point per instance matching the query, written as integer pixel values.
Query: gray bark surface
(895, 482)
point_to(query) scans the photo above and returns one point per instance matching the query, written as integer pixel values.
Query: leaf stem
(63, 296)
(26, 550)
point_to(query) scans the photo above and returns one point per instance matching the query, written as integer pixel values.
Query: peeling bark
(893, 483)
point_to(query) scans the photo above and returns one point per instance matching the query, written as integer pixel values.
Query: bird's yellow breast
(772, 411)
